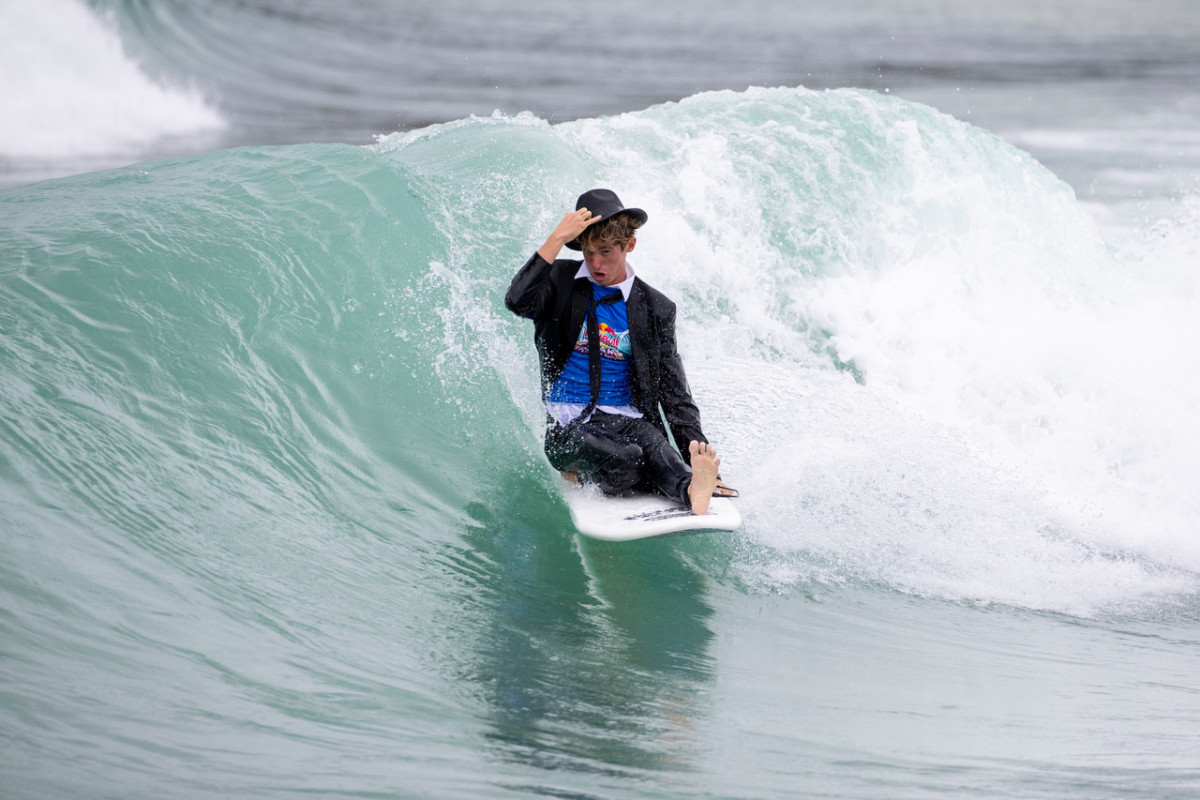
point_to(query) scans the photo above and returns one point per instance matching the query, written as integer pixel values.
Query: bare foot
(573, 477)
(704, 476)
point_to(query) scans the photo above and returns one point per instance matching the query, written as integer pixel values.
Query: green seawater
(275, 521)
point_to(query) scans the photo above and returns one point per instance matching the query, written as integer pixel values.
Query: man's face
(607, 264)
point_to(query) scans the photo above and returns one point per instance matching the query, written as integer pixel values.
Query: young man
(609, 362)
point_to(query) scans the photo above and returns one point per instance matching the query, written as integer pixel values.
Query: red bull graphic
(614, 344)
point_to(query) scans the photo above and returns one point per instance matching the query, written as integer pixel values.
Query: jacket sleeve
(531, 292)
(681, 411)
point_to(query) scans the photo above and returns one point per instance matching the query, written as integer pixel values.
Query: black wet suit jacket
(557, 302)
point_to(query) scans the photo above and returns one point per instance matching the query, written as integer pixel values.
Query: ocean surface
(274, 516)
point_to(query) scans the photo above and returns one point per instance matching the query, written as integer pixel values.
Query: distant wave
(70, 90)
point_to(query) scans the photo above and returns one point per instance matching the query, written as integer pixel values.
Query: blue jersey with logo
(574, 385)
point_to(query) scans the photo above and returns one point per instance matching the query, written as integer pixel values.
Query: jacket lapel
(642, 342)
(581, 297)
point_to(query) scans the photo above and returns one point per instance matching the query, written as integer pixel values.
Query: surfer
(609, 362)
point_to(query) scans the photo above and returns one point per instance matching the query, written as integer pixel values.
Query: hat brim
(636, 213)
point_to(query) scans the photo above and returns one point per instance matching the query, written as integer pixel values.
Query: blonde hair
(616, 231)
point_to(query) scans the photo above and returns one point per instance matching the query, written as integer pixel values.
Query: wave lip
(71, 91)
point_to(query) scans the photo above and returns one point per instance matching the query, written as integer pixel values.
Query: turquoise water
(276, 520)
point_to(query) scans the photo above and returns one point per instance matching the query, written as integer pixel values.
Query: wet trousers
(620, 454)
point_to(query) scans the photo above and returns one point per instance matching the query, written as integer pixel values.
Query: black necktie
(593, 335)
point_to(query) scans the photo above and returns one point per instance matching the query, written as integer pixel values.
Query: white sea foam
(70, 91)
(1013, 416)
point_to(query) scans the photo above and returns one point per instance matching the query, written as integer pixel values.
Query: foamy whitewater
(996, 367)
(274, 516)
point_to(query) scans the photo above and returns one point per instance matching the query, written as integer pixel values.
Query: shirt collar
(626, 286)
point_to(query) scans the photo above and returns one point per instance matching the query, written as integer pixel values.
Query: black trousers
(620, 454)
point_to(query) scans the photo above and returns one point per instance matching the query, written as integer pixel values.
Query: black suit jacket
(557, 302)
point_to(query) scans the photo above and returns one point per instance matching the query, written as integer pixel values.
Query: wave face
(276, 520)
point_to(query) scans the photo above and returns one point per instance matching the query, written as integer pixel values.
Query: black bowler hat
(604, 203)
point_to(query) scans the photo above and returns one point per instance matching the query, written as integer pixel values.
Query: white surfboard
(643, 516)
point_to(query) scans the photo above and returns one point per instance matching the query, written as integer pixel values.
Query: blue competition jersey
(574, 385)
